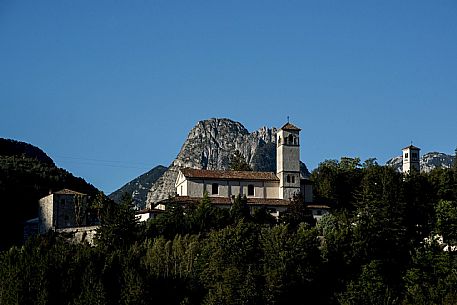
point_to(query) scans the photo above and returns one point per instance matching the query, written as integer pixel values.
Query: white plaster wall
(258, 189)
(272, 190)
(181, 185)
(143, 216)
(181, 188)
(195, 188)
(223, 188)
(235, 188)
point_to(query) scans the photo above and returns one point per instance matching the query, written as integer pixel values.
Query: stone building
(272, 190)
(62, 209)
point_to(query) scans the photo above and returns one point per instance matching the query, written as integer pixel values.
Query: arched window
(291, 139)
(288, 179)
(279, 140)
(293, 179)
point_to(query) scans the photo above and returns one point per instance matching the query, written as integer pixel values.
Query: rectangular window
(250, 190)
(215, 189)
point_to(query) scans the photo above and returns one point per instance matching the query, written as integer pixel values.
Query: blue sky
(110, 89)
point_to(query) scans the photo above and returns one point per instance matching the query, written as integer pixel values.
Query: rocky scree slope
(210, 144)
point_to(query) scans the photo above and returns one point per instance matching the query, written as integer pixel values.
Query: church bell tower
(288, 160)
(411, 158)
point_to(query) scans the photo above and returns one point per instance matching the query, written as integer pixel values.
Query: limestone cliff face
(210, 144)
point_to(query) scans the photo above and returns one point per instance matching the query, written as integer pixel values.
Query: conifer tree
(119, 225)
(238, 162)
(240, 209)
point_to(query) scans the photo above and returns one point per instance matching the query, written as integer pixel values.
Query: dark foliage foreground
(377, 247)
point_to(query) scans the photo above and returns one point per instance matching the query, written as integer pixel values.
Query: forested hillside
(376, 247)
(26, 175)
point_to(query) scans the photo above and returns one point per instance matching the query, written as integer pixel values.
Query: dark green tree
(446, 220)
(443, 184)
(432, 276)
(204, 217)
(291, 262)
(335, 182)
(119, 226)
(263, 217)
(240, 209)
(173, 221)
(238, 162)
(297, 213)
(419, 198)
(229, 265)
(369, 288)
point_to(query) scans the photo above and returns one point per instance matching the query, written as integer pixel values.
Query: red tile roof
(411, 147)
(318, 206)
(226, 201)
(289, 126)
(143, 211)
(68, 192)
(228, 175)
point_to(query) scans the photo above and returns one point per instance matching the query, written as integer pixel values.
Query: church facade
(272, 190)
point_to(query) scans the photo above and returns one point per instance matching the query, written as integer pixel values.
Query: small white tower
(411, 158)
(288, 160)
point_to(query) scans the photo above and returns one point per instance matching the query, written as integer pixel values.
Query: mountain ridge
(139, 187)
(428, 161)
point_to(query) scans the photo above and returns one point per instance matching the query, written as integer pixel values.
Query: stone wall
(80, 234)
(45, 214)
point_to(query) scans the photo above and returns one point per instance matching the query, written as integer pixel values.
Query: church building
(272, 190)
